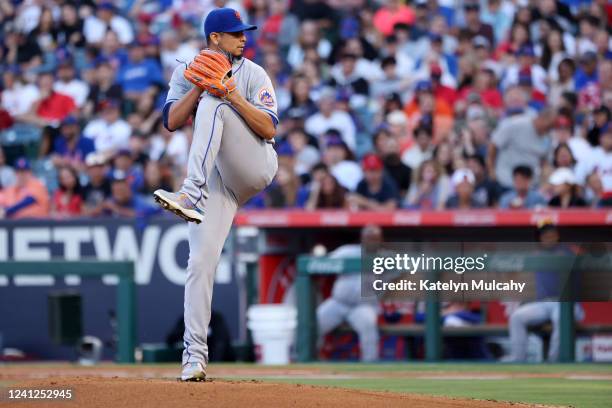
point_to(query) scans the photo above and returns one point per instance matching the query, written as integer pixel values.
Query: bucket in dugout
(273, 328)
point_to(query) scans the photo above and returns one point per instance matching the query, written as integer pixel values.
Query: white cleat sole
(198, 377)
(169, 205)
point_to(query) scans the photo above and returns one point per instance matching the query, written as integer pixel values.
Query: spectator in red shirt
(388, 16)
(485, 86)
(6, 121)
(52, 107)
(607, 8)
(441, 91)
(67, 199)
(281, 25)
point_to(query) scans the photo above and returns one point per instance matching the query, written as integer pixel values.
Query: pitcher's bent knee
(266, 173)
(261, 179)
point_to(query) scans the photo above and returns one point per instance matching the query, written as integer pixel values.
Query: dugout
(282, 236)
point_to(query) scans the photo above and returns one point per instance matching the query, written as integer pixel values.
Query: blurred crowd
(384, 104)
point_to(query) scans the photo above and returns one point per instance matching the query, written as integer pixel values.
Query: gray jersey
(228, 164)
(252, 82)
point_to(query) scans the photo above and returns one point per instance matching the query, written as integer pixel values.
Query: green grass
(559, 392)
(549, 391)
(465, 367)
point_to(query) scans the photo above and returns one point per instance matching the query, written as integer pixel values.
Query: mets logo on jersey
(265, 97)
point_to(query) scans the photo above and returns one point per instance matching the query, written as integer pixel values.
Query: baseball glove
(211, 71)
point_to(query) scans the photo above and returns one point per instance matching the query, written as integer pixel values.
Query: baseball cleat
(179, 204)
(193, 372)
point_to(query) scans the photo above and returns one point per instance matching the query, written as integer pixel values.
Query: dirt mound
(90, 392)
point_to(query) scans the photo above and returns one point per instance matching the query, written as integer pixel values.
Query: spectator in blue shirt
(587, 70)
(124, 162)
(123, 202)
(112, 51)
(139, 74)
(70, 147)
(376, 191)
(522, 196)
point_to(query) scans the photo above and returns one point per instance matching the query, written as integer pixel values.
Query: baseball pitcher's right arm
(180, 110)
(181, 101)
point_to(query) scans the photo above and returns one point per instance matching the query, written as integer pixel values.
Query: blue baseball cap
(424, 86)
(334, 141)
(225, 20)
(123, 152)
(106, 5)
(525, 51)
(435, 37)
(70, 120)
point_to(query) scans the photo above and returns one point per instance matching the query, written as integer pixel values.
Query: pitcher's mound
(89, 391)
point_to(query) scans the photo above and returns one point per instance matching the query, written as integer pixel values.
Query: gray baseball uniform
(347, 304)
(228, 164)
(532, 314)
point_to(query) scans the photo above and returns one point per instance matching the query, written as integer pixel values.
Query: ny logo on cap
(237, 15)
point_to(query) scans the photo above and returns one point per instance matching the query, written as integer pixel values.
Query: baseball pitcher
(230, 160)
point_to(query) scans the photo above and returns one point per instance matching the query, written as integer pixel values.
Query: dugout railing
(126, 291)
(310, 266)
